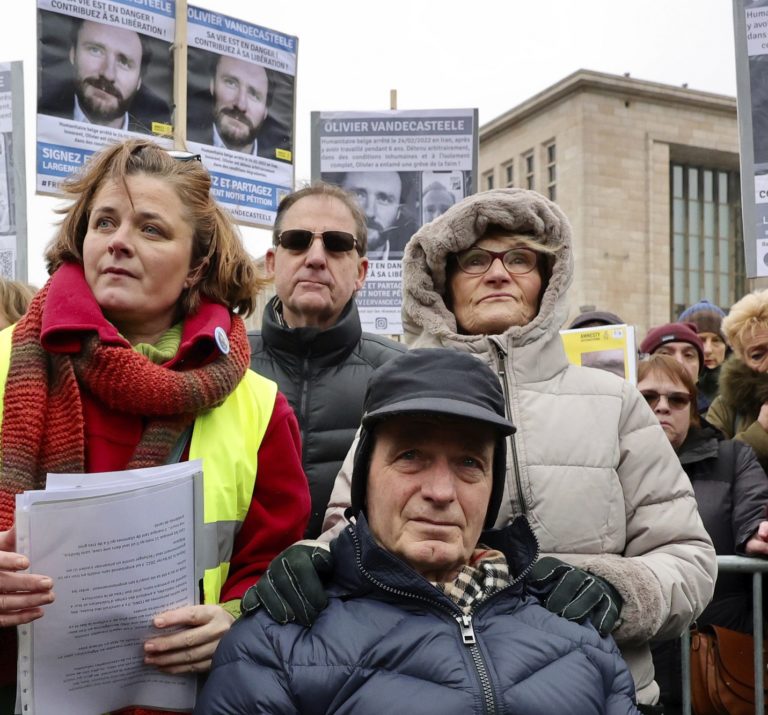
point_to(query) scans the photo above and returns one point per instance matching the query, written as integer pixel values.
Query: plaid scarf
(43, 424)
(485, 574)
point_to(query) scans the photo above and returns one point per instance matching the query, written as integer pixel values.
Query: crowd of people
(463, 522)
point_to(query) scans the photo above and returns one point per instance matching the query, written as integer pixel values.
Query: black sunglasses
(300, 239)
(675, 400)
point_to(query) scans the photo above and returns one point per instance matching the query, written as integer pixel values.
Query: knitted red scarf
(43, 424)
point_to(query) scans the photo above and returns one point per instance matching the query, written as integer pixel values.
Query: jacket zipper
(303, 402)
(465, 621)
(469, 640)
(511, 439)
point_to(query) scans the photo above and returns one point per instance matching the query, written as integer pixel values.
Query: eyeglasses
(183, 155)
(477, 261)
(300, 239)
(675, 400)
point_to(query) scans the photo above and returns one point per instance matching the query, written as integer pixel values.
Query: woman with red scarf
(134, 344)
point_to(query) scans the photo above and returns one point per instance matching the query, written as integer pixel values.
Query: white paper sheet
(120, 548)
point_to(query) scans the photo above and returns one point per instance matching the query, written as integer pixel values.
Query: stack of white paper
(120, 548)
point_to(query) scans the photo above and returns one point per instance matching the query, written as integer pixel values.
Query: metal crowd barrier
(736, 564)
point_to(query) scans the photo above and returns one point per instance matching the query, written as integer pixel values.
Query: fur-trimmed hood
(741, 388)
(426, 319)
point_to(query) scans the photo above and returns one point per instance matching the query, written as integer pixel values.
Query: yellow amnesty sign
(605, 347)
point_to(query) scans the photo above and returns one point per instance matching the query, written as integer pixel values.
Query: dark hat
(595, 317)
(673, 333)
(433, 381)
(706, 316)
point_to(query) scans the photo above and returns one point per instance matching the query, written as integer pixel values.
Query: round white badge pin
(222, 341)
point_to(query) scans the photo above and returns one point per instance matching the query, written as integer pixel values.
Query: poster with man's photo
(105, 72)
(751, 39)
(240, 111)
(406, 168)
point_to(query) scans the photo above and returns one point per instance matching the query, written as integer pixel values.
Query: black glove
(574, 594)
(292, 589)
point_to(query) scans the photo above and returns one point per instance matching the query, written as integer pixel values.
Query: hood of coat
(426, 319)
(741, 387)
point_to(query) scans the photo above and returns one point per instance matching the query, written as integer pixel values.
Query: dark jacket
(390, 643)
(732, 492)
(707, 387)
(323, 373)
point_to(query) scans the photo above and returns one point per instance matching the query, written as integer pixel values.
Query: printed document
(120, 548)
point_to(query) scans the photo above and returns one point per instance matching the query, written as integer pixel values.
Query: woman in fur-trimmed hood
(741, 409)
(589, 464)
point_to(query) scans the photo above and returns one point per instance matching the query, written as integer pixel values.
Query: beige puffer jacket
(589, 465)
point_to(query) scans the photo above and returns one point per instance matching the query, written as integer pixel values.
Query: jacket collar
(328, 346)
(700, 443)
(71, 313)
(362, 566)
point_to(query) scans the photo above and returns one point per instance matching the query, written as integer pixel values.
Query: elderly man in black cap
(427, 607)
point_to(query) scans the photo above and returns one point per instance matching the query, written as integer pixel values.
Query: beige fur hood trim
(426, 319)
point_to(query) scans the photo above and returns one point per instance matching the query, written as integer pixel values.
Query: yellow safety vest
(227, 439)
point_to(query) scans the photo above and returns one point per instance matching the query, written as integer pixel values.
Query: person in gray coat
(589, 465)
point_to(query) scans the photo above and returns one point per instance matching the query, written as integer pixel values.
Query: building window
(488, 180)
(528, 166)
(509, 174)
(707, 238)
(550, 153)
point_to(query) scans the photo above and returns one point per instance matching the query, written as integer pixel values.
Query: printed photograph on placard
(240, 111)
(390, 201)
(240, 106)
(103, 74)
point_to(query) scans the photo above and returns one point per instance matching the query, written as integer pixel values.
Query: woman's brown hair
(224, 272)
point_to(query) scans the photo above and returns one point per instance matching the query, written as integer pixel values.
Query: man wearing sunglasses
(311, 342)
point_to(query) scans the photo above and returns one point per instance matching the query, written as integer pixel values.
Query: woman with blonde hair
(741, 409)
(133, 353)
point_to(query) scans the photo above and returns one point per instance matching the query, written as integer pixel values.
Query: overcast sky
(491, 55)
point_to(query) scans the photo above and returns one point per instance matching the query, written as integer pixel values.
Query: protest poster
(13, 223)
(240, 111)
(751, 38)
(610, 347)
(406, 167)
(105, 72)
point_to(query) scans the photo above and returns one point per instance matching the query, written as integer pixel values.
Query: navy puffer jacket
(389, 642)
